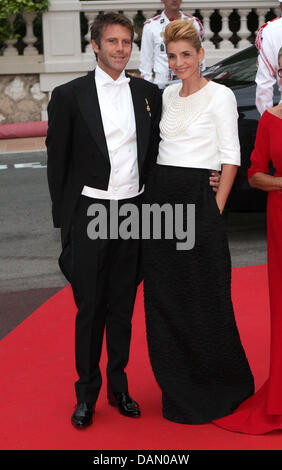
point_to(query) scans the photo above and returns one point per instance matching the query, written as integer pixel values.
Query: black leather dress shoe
(82, 417)
(125, 404)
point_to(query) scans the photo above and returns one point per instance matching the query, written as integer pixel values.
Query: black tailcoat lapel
(87, 99)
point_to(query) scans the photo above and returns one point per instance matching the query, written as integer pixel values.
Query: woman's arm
(265, 182)
(258, 173)
(226, 118)
(227, 178)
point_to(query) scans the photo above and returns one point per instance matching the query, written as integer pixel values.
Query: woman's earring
(200, 69)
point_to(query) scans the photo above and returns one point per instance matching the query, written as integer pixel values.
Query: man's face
(115, 49)
(172, 5)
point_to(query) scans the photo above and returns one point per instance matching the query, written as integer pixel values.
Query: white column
(243, 32)
(61, 33)
(207, 44)
(225, 32)
(135, 54)
(90, 18)
(63, 58)
(29, 38)
(10, 50)
(261, 16)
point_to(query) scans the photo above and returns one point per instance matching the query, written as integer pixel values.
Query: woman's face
(184, 59)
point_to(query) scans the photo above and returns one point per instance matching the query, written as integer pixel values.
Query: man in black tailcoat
(103, 134)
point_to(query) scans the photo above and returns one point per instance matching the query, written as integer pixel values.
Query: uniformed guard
(268, 42)
(153, 56)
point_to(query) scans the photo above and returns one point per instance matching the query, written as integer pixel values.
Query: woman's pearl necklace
(179, 112)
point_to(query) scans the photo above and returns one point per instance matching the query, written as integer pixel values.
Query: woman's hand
(214, 180)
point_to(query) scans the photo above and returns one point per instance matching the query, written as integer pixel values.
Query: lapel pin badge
(148, 107)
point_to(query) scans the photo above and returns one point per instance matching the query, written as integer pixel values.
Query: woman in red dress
(262, 412)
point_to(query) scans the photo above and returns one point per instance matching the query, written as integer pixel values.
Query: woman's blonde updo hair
(182, 30)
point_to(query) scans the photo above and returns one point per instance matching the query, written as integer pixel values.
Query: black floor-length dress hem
(194, 345)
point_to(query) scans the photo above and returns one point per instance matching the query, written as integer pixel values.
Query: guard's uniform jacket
(268, 42)
(153, 56)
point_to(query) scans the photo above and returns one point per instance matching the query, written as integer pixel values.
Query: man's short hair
(102, 20)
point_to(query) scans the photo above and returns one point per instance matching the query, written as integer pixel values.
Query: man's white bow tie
(122, 81)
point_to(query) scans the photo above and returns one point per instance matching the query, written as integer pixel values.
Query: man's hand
(214, 180)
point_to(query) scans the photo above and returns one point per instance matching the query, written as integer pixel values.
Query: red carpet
(23, 129)
(38, 371)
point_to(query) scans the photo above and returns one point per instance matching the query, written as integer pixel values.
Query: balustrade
(62, 36)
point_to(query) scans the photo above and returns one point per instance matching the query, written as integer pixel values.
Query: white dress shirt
(265, 80)
(200, 130)
(118, 119)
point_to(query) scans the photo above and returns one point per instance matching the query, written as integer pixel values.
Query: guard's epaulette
(259, 46)
(187, 14)
(202, 31)
(152, 19)
(261, 28)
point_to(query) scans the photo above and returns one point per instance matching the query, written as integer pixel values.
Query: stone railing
(62, 29)
(230, 25)
(205, 9)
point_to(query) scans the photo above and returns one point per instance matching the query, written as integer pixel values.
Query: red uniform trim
(152, 19)
(259, 46)
(202, 30)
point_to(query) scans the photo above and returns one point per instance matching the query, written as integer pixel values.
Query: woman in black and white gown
(194, 345)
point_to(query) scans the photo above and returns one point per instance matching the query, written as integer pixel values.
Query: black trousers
(104, 282)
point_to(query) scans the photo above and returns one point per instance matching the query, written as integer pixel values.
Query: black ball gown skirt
(194, 345)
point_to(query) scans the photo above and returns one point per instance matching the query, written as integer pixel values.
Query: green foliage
(8, 7)
(6, 30)
(17, 7)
